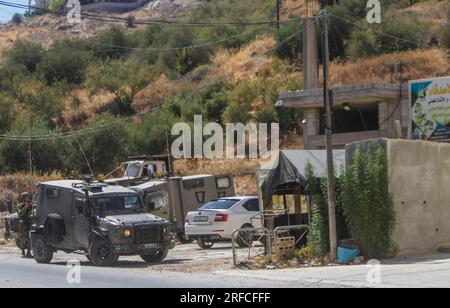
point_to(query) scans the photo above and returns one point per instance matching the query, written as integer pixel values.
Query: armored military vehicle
(174, 197)
(98, 220)
(140, 170)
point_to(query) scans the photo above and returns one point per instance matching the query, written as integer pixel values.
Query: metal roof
(73, 185)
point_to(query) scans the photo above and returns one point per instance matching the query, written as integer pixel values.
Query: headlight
(123, 233)
(126, 233)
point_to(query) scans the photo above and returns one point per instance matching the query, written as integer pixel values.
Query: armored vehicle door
(81, 227)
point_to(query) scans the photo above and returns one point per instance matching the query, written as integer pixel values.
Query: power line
(157, 109)
(98, 17)
(194, 46)
(379, 32)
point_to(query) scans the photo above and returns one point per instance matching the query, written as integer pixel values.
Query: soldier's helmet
(25, 195)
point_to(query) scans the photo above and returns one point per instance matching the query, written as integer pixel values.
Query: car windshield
(119, 203)
(133, 170)
(221, 204)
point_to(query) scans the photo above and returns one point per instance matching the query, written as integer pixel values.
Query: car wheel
(157, 256)
(204, 244)
(101, 253)
(41, 251)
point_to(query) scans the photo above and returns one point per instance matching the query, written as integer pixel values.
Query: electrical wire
(103, 18)
(379, 32)
(151, 111)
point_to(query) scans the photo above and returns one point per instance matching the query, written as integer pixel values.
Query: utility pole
(329, 136)
(278, 13)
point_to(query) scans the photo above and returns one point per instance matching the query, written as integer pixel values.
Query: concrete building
(360, 111)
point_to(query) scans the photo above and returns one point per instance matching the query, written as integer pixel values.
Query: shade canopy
(289, 168)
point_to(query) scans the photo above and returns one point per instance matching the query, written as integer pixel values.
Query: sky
(7, 12)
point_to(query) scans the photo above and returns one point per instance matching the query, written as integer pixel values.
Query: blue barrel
(345, 256)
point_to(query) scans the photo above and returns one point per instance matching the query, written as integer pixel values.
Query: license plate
(201, 219)
(149, 246)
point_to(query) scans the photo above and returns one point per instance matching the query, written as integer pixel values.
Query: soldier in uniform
(24, 209)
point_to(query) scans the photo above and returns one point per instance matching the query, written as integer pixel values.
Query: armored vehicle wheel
(102, 253)
(205, 244)
(157, 256)
(41, 251)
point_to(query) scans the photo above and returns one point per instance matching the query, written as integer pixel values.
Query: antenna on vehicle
(84, 155)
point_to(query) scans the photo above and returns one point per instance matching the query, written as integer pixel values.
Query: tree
(121, 78)
(7, 105)
(362, 44)
(111, 44)
(41, 102)
(24, 53)
(17, 19)
(105, 147)
(64, 61)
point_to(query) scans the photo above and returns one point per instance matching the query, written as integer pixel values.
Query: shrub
(6, 112)
(368, 206)
(318, 238)
(25, 54)
(362, 44)
(17, 19)
(292, 49)
(121, 78)
(444, 32)
(64, 61)
(410, 30)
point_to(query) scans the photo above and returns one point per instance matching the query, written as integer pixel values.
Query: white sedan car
(216, 220)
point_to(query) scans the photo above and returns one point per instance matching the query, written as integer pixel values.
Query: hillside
(108, 78)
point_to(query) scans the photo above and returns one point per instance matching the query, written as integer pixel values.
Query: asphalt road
(25, 273)
(131, 272)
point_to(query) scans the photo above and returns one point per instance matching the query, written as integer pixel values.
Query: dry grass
(12, 185)
(154, 94)
(75, 117)
(432, 11)
(226, 61)
(302, 8)
(418, 64)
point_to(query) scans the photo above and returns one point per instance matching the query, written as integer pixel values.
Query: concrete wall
(419, 180)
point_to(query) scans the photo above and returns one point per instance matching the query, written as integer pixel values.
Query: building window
(355, 118)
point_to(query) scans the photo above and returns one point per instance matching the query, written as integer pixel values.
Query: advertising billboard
(430, 109)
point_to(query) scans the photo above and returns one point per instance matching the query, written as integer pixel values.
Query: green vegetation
(17, 19)
(368, 206)
(39, 85)
(364, 208)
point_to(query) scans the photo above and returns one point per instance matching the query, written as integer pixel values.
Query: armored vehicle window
(52, 193)
(133, 170)
(221, 204)
(223, 183)
(119, 203)
(252, 205)
(192, 184)
(157, 200)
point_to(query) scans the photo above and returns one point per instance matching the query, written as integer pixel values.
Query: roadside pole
(329, 136)
(278, 13)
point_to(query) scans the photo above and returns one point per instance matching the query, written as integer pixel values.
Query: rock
(358, 260)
